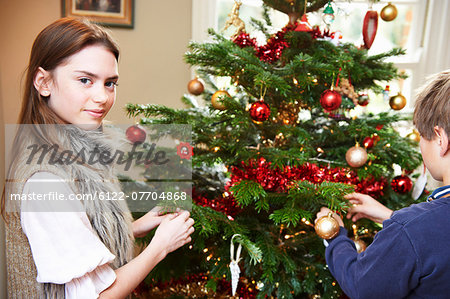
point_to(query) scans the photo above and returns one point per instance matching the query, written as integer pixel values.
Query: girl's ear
(442, 140)
(42, 82)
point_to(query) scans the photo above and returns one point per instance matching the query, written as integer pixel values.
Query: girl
(86, 252)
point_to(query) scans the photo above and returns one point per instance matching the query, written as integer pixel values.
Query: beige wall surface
(2, 225)
(20, 21)
(151, 65)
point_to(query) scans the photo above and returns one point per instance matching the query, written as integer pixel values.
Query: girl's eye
(111, 84)
(85, 80)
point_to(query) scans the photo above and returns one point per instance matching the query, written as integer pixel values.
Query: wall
(151, 66)
(2, 225)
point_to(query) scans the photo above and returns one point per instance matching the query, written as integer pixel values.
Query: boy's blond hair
(433, 105)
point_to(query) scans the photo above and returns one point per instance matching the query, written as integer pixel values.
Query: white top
(64, 245)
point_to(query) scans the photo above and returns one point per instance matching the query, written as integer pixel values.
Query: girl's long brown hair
(51, 48)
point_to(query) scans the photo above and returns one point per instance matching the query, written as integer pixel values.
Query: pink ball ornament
(356, 156)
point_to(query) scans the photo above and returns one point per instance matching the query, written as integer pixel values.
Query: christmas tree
(274, 147)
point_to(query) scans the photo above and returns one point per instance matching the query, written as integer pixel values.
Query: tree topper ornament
(234, 267)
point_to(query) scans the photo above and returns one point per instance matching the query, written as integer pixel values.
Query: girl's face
(83, 89)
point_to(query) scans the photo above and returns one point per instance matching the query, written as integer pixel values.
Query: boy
(410, 256)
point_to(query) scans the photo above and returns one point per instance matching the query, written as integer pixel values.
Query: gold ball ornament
(414, 136)
(389, 12)
(356, 156)
(360, 245)
(327, 227)
(217, 98)
(195, 87)
(397, 102)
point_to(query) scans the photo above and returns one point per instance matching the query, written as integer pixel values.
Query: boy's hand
(324, 212)
(365, 206)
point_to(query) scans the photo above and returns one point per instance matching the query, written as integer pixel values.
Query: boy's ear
(42, 82)
(442, 140)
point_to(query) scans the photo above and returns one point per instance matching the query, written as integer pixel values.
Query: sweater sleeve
(388, 268)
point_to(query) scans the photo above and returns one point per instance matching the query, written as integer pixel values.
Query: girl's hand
(174, 232)
(365, 206)
(324, 212)
(143, 225)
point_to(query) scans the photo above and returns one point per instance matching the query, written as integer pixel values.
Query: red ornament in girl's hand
(259, 111)
(330, 100)
(136, 134)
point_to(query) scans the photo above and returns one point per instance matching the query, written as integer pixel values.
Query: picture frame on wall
(115, 13)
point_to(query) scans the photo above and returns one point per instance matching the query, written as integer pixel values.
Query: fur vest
(110, 219)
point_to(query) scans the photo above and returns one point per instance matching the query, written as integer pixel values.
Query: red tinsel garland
(272, 50)
(226, 204)
(275, 45)
(279, 180)
(244, 40)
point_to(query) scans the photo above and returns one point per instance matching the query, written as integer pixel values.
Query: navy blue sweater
(408, 258)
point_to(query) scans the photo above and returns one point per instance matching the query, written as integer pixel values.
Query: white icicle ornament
(234, 267)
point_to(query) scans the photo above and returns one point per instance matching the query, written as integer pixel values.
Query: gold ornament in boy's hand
(327, 227)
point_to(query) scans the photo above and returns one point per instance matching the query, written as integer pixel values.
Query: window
(410, 30)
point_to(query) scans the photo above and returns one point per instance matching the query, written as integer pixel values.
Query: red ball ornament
(368, 142)
(330, 100)
(136, 134)
(401, 184)
(259, 111)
